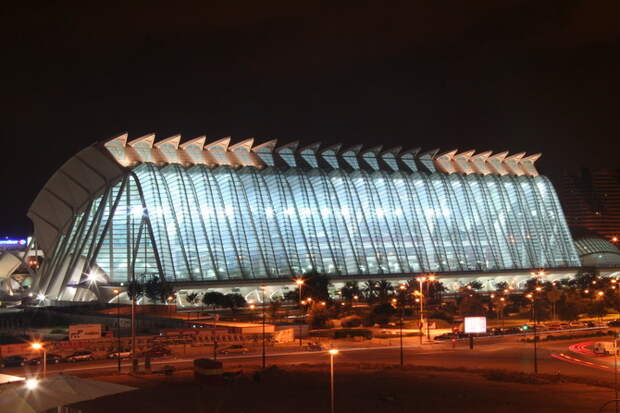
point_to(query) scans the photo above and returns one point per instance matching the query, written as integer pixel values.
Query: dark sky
(517, 75)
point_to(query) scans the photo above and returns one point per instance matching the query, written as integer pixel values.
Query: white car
(121, 354)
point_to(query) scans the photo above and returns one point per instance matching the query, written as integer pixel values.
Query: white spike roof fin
(462, 162)
(242, 154)
(265, 151)
(145, 141)
(527, 164)
(444, 163)
(117, 141)
(512, 164)
(116, 147)
(495, 163)
(389, 157)
(287, 153)
(219, 145)
(244, 146)
(218, 150)
(142, 148)
(329, 154)
(167, 149)
(193, 150)
(479, 162)
(371, 156)
(309, 154)
(349, 155)
(426, 159)
(407, 158)
(173, 140)
(196, 143)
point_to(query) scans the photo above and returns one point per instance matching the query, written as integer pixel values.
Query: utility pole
(263, 303)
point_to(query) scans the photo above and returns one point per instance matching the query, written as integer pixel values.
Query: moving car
(80, 356)
(157, 352)
(234, 349)
(13, 361)
(50, 358)
(121, 354)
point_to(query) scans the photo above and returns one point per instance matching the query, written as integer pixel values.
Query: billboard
(79, 332)
(475, 325)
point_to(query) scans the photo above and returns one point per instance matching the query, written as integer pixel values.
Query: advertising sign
(79, 332)
(475, 325)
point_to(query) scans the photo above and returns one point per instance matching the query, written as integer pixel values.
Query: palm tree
(384, 289)
(351, 289)
(370, 290)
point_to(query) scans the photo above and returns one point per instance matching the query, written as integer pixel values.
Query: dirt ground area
(357, 389)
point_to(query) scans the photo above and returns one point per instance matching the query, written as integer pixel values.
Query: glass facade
(201, 223)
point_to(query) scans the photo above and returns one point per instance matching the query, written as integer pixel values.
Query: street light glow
(299, 281)
(333, 351)
(36, 346)
(40, 297)
(32, 384)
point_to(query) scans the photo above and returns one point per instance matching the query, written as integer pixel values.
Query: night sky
(534, 76)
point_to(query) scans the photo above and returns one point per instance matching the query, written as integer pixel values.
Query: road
(566, 357)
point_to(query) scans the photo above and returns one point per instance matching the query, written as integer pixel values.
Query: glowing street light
(332, 352)
(300, 282)
(32, 384)
(39, 347)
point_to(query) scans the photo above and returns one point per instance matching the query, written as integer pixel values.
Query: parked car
(314, 346)
(614, 323)
(50, 358)
(121, 354)
(157, 352)
(234, 349)
(13, 361)
(80, 356)
(445, 336)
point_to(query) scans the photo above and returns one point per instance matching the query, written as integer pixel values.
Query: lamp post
(169, 299)
(264, 355)
(118, 328)
(332, 353)
(421, 280)
(39, 347)
(402, 289)
(533, 298)
(299, 283)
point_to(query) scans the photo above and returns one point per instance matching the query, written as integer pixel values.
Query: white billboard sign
(79, 332)
(475, 325)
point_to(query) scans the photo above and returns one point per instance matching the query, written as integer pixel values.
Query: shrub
(351, 321)
(348, 333)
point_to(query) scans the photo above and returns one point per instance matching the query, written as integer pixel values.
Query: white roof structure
(97, 168)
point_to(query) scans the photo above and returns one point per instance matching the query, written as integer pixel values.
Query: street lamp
(32, 384)
(332, 353)
(264, 354)
(116, 292)
(421, 280)
(39, 347)
(299, 283)
(402, 289)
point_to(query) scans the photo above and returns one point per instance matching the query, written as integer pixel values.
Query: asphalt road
(566, 357)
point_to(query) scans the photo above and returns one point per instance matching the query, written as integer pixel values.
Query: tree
(135, 288)
(350, 290)
(192, 298)
(157, 289)
(213, 299)
(471, 305)
(369, 289)
(553, 296)
(384, 290)
(381, 314)
(316, 286)
(234, 301)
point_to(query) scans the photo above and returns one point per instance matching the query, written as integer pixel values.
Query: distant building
(591, 200)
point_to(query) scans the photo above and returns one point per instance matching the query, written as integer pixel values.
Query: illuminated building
(205, 215)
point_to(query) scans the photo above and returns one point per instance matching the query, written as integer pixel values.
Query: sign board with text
(84, 332)
(475, 325)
